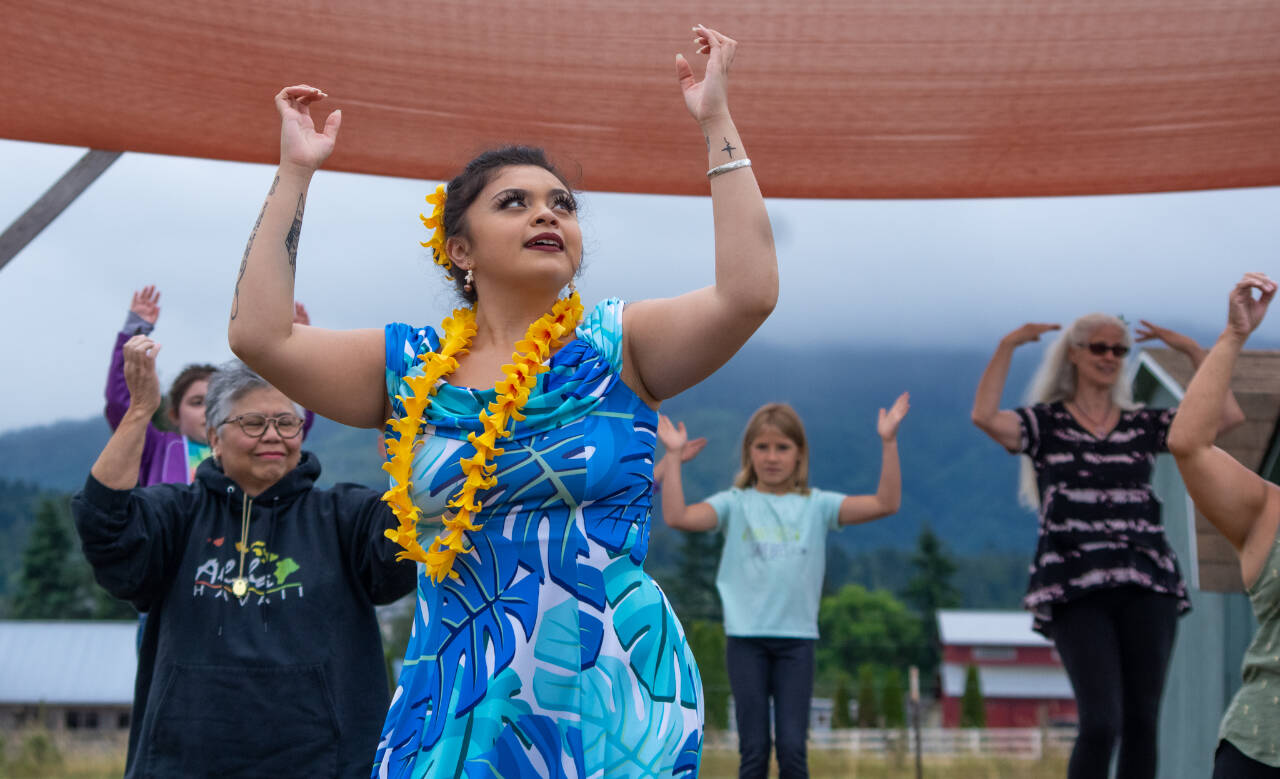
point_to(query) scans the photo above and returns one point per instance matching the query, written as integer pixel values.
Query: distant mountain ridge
(954, 477)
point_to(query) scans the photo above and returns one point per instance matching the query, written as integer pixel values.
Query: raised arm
(1238, 502)
(888, 496)
(144, 310)
(1003, 425)
(699, 516)
(712, 323)
(117, 466)
(336, 373)
(1232, 414)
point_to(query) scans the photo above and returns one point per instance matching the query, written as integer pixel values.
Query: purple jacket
(164, 454)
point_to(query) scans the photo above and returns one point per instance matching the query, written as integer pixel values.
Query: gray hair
(1055, 380)
(232, 381)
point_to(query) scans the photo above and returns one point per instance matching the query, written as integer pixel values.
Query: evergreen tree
(694, 594)
(868, 705)
(895, 715)
(840, 704)
(706, 640)
(929, 590)
(973, 711)
(51, 585)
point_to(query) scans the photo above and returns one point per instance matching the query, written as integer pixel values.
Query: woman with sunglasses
(247, 574)
(1105, 586)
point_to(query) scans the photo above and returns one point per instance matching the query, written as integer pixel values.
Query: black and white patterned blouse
(1099, 517)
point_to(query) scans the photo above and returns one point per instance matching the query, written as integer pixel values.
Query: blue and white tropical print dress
(555, 654)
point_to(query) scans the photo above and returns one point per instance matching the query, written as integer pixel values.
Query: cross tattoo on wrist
(728, 147)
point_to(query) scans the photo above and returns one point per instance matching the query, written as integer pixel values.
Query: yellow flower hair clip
(435, 222)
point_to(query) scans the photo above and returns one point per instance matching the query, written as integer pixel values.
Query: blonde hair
(1055, 380)
(785, 420)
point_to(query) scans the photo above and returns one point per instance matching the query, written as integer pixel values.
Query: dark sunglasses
(1099, 348)
(255, 425)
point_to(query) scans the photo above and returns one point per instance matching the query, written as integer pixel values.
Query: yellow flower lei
(545, 335)
(435, 223)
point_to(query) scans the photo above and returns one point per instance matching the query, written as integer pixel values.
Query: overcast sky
(942, 272)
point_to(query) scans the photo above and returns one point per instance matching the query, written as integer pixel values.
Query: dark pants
(1231, 763)
(781, 669)
(1115, 644)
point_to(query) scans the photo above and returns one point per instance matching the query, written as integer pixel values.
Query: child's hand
(887, 425)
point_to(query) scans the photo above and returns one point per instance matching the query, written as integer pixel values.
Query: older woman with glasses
(1105, 585)
(262, 655)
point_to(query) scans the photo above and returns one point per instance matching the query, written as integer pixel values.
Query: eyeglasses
(1099, 348)
(255, 425)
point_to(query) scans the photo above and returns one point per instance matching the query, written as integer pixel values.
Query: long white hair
(1055, 380)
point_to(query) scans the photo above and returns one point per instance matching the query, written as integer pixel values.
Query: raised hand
(1244, 312)
(708, 98)
(887, 424)
(673, 437)
(146, 303)
(300, 315)
(140, 374)
(691, 449)
(1029, 332)
(300, 144)
(1150, 332)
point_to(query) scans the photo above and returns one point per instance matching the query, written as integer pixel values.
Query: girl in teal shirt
(770, 575)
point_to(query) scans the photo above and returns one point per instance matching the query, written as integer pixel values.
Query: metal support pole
(54, 201)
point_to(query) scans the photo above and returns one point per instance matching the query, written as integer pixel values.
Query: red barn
(1022, 678)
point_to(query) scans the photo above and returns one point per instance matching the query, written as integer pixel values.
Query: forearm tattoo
(248, 247)
(295, 232)
(728, 148)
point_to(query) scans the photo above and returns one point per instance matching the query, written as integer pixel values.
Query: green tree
(51, 585)
(929, 590)
(840, 704)
(891, 696)
(973, 711)
(868, 698)
(857, 627)
(693, 588)
(706, 640)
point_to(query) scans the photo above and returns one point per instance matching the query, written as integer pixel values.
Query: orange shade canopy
(834, 98)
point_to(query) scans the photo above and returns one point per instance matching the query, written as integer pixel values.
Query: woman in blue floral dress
(543, 649)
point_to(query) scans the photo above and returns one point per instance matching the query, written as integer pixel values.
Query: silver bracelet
(728, 166)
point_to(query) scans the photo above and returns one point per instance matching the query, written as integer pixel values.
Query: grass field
(716, 764)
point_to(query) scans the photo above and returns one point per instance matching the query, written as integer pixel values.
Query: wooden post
(914, 675)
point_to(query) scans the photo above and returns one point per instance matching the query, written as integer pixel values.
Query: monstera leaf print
(623, 734)
(622, 477)
(690, 756)
(475, 732)
(647, 627)
(476, 615)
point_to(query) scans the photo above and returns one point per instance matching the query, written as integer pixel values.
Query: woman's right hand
(146, 304)
(1029, 332)
(300, 145)
(1244, 314)
(140, 375)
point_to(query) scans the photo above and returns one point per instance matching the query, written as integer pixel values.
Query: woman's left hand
(1171, 338)
(887, 425)
(707, 99)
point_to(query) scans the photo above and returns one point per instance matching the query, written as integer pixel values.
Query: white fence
(1030, 743)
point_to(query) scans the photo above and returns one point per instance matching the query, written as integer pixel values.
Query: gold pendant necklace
(240, 585)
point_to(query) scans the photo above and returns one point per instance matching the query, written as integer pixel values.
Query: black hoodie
(288, 680)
